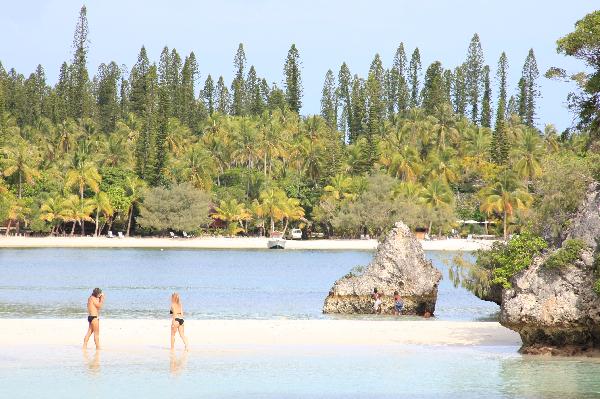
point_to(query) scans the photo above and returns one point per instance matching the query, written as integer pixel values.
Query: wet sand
(138, 333)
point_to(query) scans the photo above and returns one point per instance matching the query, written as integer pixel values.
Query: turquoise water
(296, 372)
(222, 284)
(55, 283)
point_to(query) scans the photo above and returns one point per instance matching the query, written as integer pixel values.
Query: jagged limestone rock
(556, 310)
(399, 265)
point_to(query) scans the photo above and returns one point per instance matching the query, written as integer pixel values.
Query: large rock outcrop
(556, 310)
(399, 265)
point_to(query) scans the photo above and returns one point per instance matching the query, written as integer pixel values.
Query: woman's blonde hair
(175, 298)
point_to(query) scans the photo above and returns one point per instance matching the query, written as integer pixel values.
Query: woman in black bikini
(177, 321)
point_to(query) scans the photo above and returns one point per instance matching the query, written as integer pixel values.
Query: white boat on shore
(276, 241)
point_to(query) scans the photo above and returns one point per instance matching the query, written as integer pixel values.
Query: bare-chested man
(94, 304)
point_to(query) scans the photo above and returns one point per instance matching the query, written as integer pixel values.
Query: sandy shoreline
(119, 333)
(224, 243)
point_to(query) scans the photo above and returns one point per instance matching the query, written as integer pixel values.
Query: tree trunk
(82, 223)
(505, 226)
(73, 229)
(20, 185)
(272, 224)
(287, 220)
(129, 219)
(429, 228)
(97, 217)
(8, 227)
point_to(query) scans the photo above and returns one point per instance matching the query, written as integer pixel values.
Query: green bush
(597, 286)
(504, 260)
(569, 253)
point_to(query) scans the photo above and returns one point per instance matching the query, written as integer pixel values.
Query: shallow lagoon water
(297, 372)
(218, 284)
(54, 283)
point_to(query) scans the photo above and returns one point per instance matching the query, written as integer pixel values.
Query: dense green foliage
(565, 255)
(505, 260)
(392, 144)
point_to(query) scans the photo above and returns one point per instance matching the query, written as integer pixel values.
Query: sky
(326, 33)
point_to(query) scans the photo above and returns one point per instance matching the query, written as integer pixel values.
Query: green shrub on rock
(569, 253)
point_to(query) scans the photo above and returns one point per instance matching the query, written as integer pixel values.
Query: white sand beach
(210, 242)
(137, 333)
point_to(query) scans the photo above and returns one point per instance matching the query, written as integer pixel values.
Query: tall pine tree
(474, 76)
(238, 85)
(293, 79)
(486, 101)
(530, 91)
(343, 94)
(414, 72)
(208, 94)
(501, 77)
(329, 101)
(80, 99)
(222, 97)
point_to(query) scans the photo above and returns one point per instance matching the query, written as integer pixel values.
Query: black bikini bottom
(180, 321)
(90, 318)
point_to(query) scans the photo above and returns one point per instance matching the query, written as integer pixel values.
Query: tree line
(152, 149)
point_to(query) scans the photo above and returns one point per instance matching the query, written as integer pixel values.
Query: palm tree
(504, 196)
(233, 213)
(20, 160)
(198, 167)
(273, 201)
(528, 153)
(51, 212)
(436, 195)
(340, 187)
(82, 174)
(77, 211)
(291, 211)
(101, 204)
(133, 189)
(404, 164)
(17, 211)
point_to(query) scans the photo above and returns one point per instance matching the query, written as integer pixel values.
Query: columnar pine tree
(343, 94)
(522, 99)
(530, 75)
(222, 97)
(139, 83)
(448, 82)
(208, 94)
(329, 101)
(473, 76)
(187, 110)
(145, 154)
(238, 84)
(160, 142)
(459, 91)
(358, 101)
(255, 103)
(486, 101)
(123, 93)
(63, 90)
(376, 107)
(107, 102)
(414, 71)
(293, 80)
(80, 78)
(434, 88)
(501, 76)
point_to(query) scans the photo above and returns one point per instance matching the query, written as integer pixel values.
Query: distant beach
(210, 242)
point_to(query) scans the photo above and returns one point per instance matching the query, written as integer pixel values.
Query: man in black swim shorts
(94, 304)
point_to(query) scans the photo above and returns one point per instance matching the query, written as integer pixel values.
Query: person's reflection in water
(177, 364)
(93, 363)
